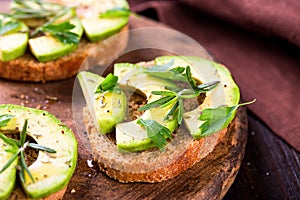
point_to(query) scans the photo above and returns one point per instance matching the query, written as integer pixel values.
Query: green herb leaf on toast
(108, 84)
(5, 119)
(157, 133)
(166, 72)
(62, 32)
(216, 119)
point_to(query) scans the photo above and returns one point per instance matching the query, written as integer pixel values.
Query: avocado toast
(169, 135)
(52, 38)
(48, 174)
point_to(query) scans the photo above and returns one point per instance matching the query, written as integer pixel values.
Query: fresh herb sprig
(166, 72)
(61, 31)
(50, 11)
(156, 132)
(5, 119)
(108, 84)
(175, 95)
(216, 119)
(8, 25)
(171, 96)
(21, 144)
(34, 9)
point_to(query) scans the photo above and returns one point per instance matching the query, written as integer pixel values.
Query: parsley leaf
(7, 26)
(216, 119)
(157, 133)
(108, 84)
(62, 32)
(116, 12)
(5, 119)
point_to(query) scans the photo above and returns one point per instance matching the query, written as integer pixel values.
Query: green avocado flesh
(108, 108)
(98, 29)
(13, 44)
(8, 177)
(47, 48)
(226, 93)
(51, 172)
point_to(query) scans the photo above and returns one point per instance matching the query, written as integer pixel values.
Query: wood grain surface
(270, 169)
(211, 177)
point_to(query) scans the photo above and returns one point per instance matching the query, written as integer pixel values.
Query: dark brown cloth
(266, 66)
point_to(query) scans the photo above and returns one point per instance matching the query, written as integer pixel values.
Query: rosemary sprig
(176, 96)
(171, 96)
(34, 9)
(50, 11)
(21, 145)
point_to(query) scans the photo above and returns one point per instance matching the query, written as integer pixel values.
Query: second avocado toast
(59, 35)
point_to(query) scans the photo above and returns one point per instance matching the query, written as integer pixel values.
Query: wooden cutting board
(209, 179)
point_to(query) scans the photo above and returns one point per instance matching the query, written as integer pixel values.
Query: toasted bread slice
(151, 165)
(28, 68)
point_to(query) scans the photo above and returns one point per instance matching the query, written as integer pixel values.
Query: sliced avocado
(8, 177)
(98, 29)
(226, 93)
(51, 172)
(13, 44)
(108, 108)
(55, 48)
(131, 136)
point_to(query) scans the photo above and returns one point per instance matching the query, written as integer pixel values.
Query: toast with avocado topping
(176, 127)
(57, 36)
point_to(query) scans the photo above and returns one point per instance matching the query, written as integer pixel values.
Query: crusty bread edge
(187, 160)
(27, 68)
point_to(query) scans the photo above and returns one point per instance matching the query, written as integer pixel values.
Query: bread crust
(28, 68)
(132, 172)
